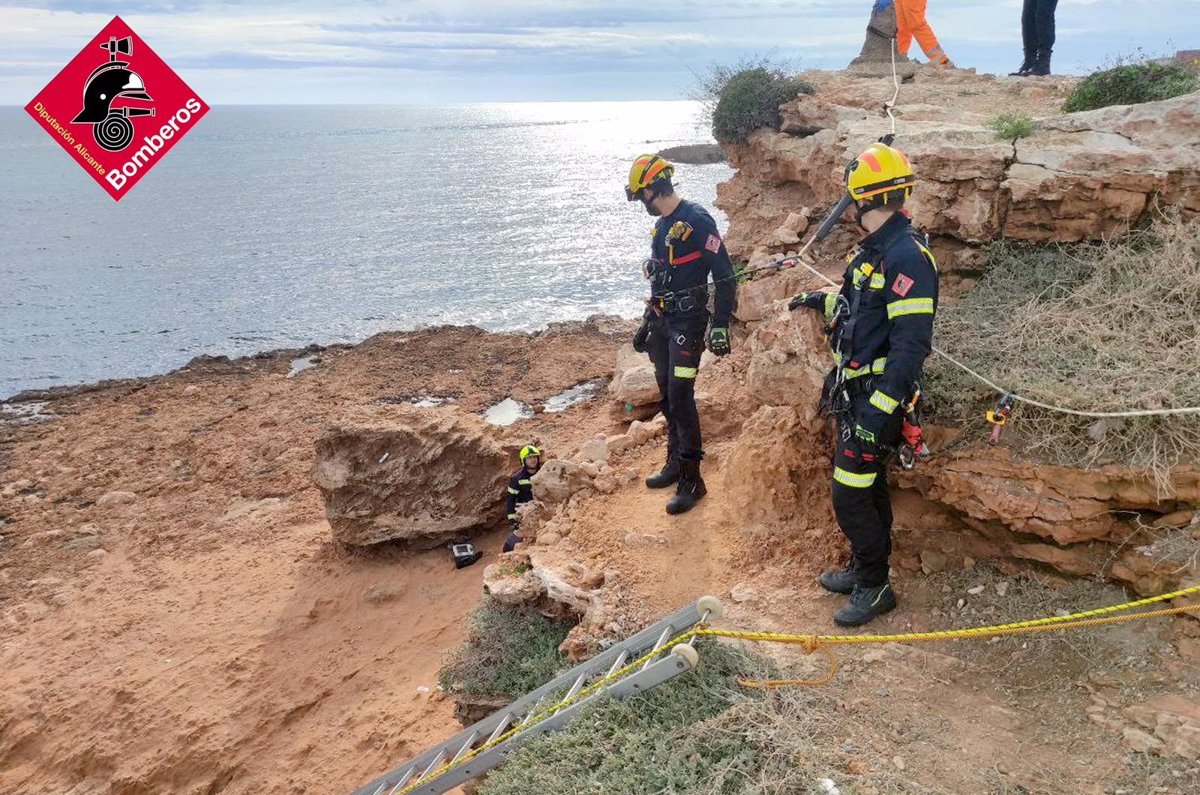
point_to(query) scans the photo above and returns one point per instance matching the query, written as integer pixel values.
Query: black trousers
(861, 500)
(675, 345)
(1037, 24)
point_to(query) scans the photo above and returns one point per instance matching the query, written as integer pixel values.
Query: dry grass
(1099, 327)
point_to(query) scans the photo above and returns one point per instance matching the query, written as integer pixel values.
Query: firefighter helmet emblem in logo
(109, 82)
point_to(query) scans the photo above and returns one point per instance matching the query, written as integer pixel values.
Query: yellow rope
(1087, 618)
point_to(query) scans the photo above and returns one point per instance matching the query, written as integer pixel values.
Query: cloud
(534, 49)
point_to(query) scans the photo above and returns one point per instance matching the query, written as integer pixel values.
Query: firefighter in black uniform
(520, 491)
(686, 247)
(881, 325)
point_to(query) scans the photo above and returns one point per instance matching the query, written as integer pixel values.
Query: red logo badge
(117, 108)
(902, 285)
(713, 244)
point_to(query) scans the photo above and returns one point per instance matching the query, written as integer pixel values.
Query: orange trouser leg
(910, 20)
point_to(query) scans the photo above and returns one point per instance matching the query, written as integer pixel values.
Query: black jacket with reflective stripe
(689, 246)
(898, 279)
(520, 490)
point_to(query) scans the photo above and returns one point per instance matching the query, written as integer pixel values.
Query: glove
(642, 335)
(718, 340)
(867, 441)
(808, 300)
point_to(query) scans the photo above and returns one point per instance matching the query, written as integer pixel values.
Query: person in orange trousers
(910, 23)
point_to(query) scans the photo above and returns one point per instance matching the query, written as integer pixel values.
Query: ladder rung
(575, 688)
(435, 764)
(658, 644)
(466, 747)
(400, 782)
(532, 711)
(500, 727)
(617, 663)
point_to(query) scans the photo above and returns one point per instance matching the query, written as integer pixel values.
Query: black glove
(808, 300)
(718, 340)
(642, 335)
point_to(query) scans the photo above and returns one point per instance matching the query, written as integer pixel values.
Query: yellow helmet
(528, 451)
(645, 171)
(880, 171)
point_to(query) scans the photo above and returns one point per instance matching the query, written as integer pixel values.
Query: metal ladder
(656, 671)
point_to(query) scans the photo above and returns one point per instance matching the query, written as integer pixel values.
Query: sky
(459, 51)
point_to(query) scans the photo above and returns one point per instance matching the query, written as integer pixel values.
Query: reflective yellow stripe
(910, 306)
(853, 479)
(830, 305)
(877, 281)
(928, 255)
(524, 482)
(511, 490)
(876, 368)
(685, 372)
(884, 403)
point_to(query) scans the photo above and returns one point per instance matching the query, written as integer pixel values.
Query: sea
(277, 227)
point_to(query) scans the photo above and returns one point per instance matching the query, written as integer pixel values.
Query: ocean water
(273, 227)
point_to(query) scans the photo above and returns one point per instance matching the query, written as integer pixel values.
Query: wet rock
(426, 476)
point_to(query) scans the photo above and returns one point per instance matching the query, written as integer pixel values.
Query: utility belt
(678, 303)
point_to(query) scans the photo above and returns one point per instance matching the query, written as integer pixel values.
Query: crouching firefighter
(520, 491)
(685, 248)
(881, 330)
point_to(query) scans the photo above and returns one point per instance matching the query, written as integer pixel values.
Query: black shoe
(839, 581)
(690, 489)
(865, 605)
(1026, 66)
(668, 476)
(1042, 67)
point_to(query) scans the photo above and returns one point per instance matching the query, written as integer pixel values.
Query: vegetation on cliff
(1131, 84)
(510, 651)
(746, 97)
(1099, 327)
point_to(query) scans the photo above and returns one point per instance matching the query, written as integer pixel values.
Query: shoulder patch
(713, 244)
(902, 285)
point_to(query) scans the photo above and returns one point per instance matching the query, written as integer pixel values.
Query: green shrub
(746, 97)
(1011, 125)
(509, 652)
(1130, 84)
(655, 742)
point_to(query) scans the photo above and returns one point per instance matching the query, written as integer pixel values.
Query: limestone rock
(594, 450)
(633, 383)
(1174, 720)
(557, 480)
(404, 473)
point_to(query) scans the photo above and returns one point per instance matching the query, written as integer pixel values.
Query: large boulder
(634, 388)
(426, 476)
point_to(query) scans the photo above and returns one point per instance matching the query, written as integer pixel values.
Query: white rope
(891, 106)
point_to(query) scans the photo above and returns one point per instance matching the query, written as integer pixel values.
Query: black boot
(842, 581)
(1026, 65)
(865, 605)
(667, 476)
(1041, 67)
(690, 489)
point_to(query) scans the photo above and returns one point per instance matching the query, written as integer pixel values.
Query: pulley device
(998, 418)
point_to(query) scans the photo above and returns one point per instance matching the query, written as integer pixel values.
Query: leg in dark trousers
(858, 515)
(1028, 39)
(659, 350)
(1044, 25)
(686, 346)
